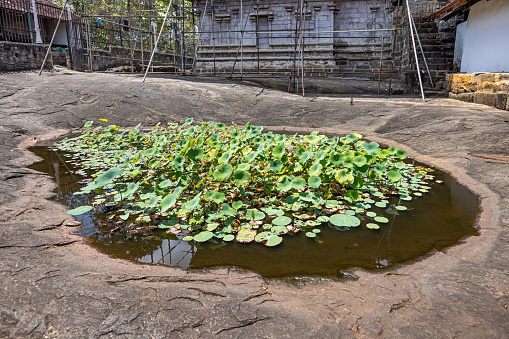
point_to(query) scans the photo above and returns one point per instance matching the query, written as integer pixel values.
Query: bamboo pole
(422, 52)
(415, 49)
(155, 45)
(53, 37)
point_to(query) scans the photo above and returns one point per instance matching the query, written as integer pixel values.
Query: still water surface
(438, 219)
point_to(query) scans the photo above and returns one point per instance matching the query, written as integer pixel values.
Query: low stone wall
(490, 89)
(119, 56)
(16, 56)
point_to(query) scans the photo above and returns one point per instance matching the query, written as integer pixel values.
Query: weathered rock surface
(53, 285)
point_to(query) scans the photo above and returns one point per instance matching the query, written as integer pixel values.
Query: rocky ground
(54, 285)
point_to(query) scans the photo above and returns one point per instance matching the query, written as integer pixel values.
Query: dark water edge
(439, 219)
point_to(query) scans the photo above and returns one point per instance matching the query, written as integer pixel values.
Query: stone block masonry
(16, 56)
(271, 39)
(490, 89)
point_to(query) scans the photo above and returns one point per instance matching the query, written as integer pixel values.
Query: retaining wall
(16, 56)
(490, 89)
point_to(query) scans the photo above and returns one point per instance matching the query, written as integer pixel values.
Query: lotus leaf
(371, 148)
(315, 169)
(228, 237)
(311, 139)
(400, 154)
(237, 204)
(276, 166)
(168, 223)
(246, 235)
(107, 177)
(254, 214)
(359, 160)
(278, 151)
(195, 154)
(222, 172)
(272, 211)
(169, 201)
(314, 181)
(80, 210)
(298, 183)
(273, 240)
(241, 177)
(282, 221)
(345, 220)
(372, 226)
(193, 203)
(382, 220)
(203, 236)
(285, 184)
(227, 210)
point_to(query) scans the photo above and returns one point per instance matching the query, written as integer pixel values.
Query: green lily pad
(195, 154)
(298, 183)
(382, 220)
(278, 151)
(401, 208)
(282, 221)
(228, 211)
(254, 214)
(188, 238)
(359, 160)
(394, 175)
(310, 234)
(241, 177)
(107, 177)
(311, 139)
(193, 203)
(372, 226)
(400, 154)
(314, 181)
(279, 230)
(345, 220)
(285, 184)
(228, 237)
(275, 166)
(315, 169)
(246, 235)
(237, 204)
(169, 201)
(263, 236)
(222, 172)
(371, 148)
(80, 210)
(203, 236)
(273, 240)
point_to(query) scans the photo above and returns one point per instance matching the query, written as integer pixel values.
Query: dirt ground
(54, 285)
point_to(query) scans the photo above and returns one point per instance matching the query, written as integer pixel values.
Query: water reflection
(434, 221)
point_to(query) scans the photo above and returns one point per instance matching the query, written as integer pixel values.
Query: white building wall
(486, 42)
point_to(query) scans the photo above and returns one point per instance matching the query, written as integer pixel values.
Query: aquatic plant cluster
(212, 182)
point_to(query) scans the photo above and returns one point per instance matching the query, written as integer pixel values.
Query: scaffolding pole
(415, 49)
(422, 52)
(155, 45)
(53, 37)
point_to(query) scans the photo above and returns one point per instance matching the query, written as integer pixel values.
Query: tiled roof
(45, 8)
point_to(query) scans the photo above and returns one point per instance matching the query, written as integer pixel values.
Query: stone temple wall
(274, 46)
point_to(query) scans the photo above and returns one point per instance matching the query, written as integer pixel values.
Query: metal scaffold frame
(177, 30)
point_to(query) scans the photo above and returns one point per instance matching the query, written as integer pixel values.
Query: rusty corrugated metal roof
(454, 7)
